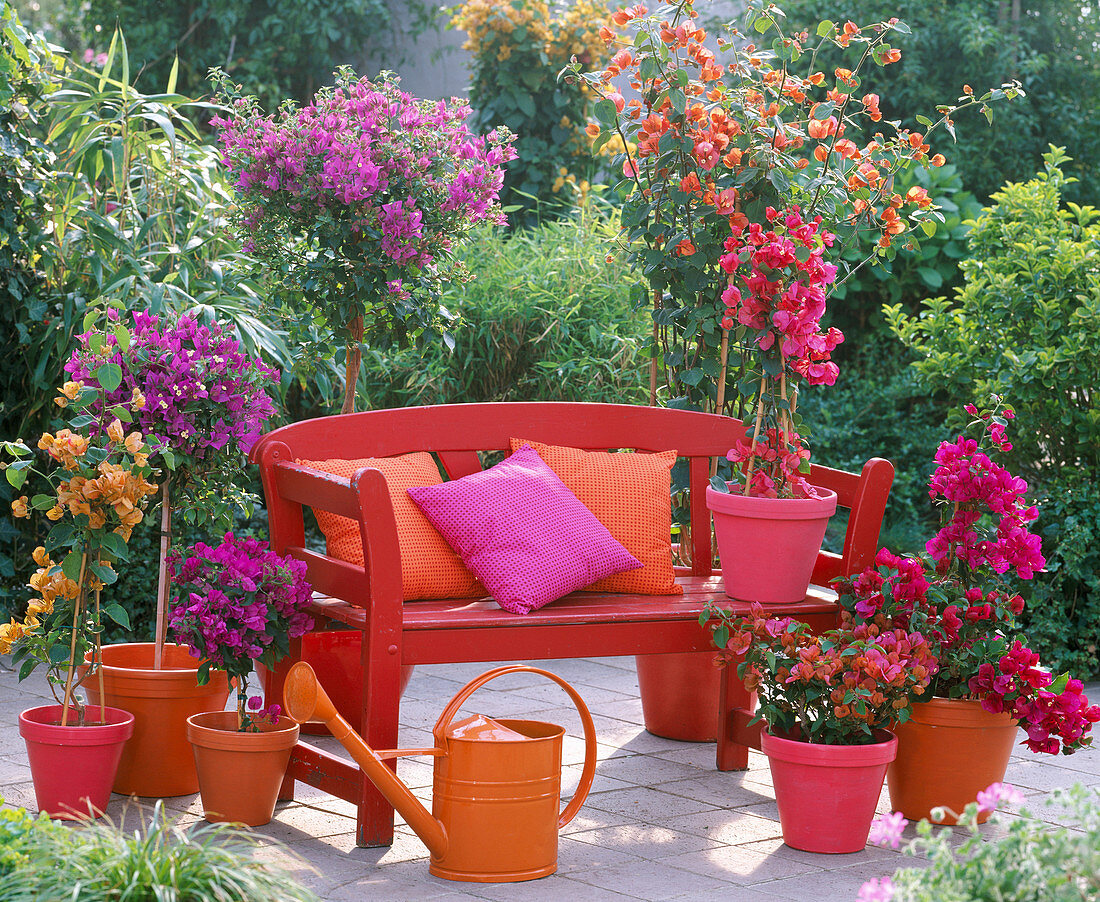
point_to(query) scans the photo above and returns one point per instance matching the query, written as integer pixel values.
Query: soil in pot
(158, 760)
(239, 773)
(73, 766)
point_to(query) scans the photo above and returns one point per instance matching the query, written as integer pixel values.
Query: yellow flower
(56, 512)
(137, 400)
(134, 442)
(19, 507)
(114, 431)
(71, 390)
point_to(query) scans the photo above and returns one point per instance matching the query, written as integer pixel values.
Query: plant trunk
(352, 360)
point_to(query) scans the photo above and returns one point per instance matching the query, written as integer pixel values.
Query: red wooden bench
(369, 598)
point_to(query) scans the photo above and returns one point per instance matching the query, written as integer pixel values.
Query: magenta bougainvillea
(778, 278)
(359, 198)
(237, 604)
(203, 395)
(959, 597)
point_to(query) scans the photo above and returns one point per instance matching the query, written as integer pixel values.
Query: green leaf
(16, 477)
(118, 614)
(43, 502)
(109, 375)
(59, 653)
(605, 112)
(172, 76)
(28, 668)
(105, 572)
(115, 546)
(929, 228)
(925, 121)
(122, 337)
(930, 277)
(719, 485)
(70, 566)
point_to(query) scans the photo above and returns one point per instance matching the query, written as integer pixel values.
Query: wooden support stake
(162, 576)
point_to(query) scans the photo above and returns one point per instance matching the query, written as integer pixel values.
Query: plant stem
(162, 575)
(97, 662)
(721, 399)
(351, 363)
(756, 433)
(653, 359)
(77, 602)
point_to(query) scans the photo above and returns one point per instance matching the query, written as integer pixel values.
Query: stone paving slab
(660, 823)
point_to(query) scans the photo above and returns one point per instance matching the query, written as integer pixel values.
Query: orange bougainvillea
(713, 139)
(94, 495)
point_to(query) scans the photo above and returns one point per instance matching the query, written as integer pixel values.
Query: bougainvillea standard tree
(358, 199)
(759, 141)
(203, 403)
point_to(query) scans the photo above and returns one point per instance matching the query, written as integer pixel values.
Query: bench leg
(734, 706)
(381, 704)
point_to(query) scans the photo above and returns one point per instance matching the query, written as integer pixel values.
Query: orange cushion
(429, 566)
(630, 494)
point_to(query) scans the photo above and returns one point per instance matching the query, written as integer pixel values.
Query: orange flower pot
(239, 773)
(679, 695)
(157, 761)
(949, 751)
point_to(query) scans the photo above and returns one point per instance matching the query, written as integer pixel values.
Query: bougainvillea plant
(205, 404)
(95, 493)
(237, 604)
(959, 593)
(358, 200)
(719, 145)
(833, 688)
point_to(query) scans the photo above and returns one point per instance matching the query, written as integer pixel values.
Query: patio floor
(660, 823)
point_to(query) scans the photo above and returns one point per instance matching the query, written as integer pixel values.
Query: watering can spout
(304, 699)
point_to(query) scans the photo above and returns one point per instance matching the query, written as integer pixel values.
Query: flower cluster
(236, 604)
(959, 598)
(96, 492)
(199, 394)
(723, 134)
(778, 279)
(836, 687)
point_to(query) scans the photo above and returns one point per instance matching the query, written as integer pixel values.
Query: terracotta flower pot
(768, 546)
(948, 751)
(239, 773)
(157, 761)
(72, 767)
(827, 793)
(679, 695)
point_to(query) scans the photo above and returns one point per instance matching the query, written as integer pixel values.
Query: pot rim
(959, 712)
(203, 730)
(801, 752)
(823, 505)
(37, 725)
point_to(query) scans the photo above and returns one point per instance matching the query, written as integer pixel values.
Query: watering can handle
(589, 770)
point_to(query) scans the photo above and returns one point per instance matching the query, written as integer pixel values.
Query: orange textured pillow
(429, 566)
(630, 494)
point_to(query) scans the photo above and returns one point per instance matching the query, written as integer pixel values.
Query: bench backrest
(457, 432)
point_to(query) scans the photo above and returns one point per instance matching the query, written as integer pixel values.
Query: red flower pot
(948, 751)
(768, 546)
(73, 767)
(239, 773)
(679, 695)
(827, 793)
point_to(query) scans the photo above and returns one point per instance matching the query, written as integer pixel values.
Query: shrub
(547, 318)
(1026, 326)
(518, 50)
(1032, 862)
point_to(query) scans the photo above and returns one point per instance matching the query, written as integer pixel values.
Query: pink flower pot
(73, 767)
(827, 793)
(768, 546)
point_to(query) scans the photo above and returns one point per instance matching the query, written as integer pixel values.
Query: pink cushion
(522, 532)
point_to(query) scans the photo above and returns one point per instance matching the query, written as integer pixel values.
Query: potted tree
(235, 605)
(95, 494)
(204, 404)
(826, 700)
(959, 594)
(715, 144)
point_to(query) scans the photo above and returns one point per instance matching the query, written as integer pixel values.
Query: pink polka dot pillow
(522, 532)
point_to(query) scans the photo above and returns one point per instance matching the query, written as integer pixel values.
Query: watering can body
(497, 783)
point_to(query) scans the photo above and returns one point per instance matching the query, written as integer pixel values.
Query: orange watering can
(497, 783)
